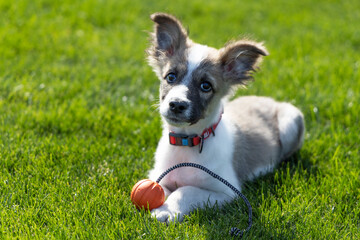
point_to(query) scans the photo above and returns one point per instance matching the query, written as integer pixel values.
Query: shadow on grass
(219, 220)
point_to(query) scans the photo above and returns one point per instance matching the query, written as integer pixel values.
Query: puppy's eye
(205, 87)
(171, 78)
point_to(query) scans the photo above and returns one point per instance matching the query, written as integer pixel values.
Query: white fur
(177, 93)
(262, 170)
(191, 187)
(288, 128)
(196, 54)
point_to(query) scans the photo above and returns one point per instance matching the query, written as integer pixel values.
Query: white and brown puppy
(252, 134)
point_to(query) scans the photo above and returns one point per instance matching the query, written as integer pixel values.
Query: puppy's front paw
(165, 214)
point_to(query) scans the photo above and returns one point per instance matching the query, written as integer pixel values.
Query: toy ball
(147, 194)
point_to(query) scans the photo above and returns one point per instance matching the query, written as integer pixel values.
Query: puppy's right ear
(168, 36)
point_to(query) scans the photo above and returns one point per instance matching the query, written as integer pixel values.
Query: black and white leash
(234, 231)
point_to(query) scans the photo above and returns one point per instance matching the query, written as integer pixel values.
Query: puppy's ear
(239, 59)
(168, 36)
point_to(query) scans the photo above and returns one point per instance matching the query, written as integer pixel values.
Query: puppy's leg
(184, 199)
(291, 129)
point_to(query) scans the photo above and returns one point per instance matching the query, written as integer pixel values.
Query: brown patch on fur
(169, 42)
(257, 136)
(170, 34)
(176, 64)
(239, 59)
(208, 71)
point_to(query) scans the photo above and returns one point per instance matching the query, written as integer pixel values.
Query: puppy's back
(257, 143)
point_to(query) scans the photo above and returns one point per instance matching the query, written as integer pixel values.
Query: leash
(234, 231)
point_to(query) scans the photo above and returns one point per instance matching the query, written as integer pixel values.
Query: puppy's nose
(178, 107)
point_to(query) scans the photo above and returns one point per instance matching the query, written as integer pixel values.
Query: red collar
(193, 140)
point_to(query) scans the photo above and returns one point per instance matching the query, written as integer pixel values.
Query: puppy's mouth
(176, 121)
(179, 121)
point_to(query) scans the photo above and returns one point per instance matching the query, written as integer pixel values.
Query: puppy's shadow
(219, 220)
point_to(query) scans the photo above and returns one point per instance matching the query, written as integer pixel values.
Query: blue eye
(205, 87)
(171, 77)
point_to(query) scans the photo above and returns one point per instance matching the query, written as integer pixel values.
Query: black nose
(178, 107)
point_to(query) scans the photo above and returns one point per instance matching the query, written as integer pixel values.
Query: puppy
(239, 140)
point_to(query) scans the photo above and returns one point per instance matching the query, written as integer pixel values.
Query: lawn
(78, 126)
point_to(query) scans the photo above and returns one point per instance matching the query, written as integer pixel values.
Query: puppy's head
(194, 78)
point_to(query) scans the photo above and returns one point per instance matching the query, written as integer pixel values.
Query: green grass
(77, 126)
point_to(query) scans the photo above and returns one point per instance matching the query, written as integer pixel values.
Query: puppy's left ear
(239, 59)
(169, 35)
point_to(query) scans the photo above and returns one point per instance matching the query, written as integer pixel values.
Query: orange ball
(147, 194)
